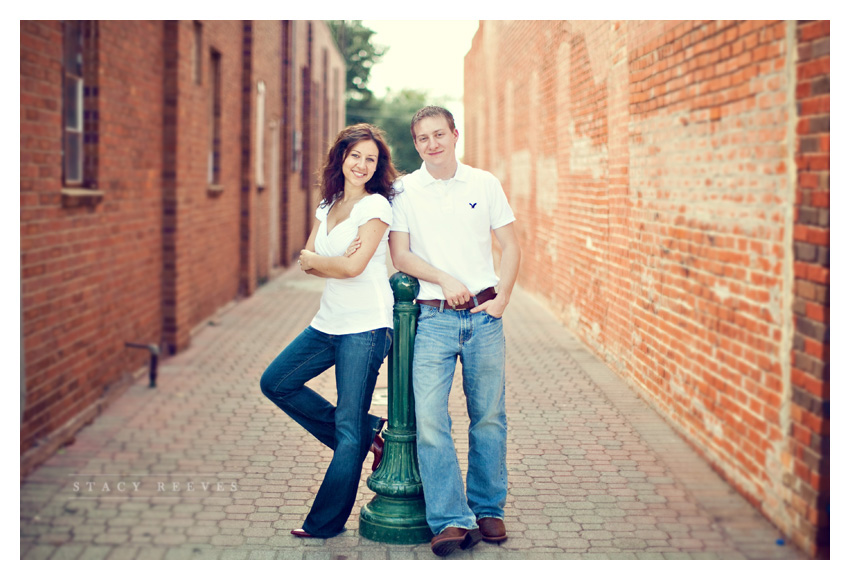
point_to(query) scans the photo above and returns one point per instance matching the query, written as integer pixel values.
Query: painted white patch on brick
(599, 53)
(573, 317)
(587, 158)
(722, 292)
(521, 174)
(547, 185)
(552, 248)
(712, 425)
(595, 329)
(774, 304)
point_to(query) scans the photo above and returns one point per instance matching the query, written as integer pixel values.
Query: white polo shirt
(364, 302)
(449, 223)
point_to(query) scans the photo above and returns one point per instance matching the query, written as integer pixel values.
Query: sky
(425, 55)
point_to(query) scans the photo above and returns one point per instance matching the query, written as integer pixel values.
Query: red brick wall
(304, 123)
(206, 230)
(652, 169)
(266, 67)
(153, 251)
(810, 356)
(90, 275)
(298, 195)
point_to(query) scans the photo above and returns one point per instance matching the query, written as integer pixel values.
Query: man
(442, 221)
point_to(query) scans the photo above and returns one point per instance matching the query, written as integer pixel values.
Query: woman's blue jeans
(479, 341)
(347, 428)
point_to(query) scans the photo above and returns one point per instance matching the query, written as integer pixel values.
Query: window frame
(260, 139)
(73, 130)
(214, 185)
(79, 120)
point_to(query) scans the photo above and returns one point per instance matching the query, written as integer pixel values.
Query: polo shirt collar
(463, 173)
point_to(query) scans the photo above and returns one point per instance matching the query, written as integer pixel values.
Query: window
(259, 157)
(214, 172)
(304, 142)
(80, 113)
(72, 104)
(197, 51)
(326, 131)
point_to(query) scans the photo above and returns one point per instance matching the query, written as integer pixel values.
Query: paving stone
(95, 553)
(594, 473)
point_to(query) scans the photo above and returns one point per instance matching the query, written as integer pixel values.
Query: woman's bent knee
(269, 384)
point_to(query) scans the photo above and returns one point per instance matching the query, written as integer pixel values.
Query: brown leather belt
(481, 297)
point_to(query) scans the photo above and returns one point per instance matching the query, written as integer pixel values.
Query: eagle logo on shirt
(472, 205)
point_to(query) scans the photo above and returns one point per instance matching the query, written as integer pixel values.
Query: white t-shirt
(364, 302)
(449, 223)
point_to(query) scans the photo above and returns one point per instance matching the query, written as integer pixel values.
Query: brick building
(671, 182)
(166, 169)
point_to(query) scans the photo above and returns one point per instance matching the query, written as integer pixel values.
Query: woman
(353, 328)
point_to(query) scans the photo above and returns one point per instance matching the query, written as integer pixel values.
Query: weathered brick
(818, 124)
(809, 145)
(820, 86)
(812, 329)
(157, 255)
(805, 252)
(628, 176)
(808, 401)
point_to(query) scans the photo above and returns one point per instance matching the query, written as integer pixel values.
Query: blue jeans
(479, 341)
(348, 428)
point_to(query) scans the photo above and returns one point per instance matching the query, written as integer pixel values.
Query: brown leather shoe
(492, 530)
(448, 540)
(472, 538)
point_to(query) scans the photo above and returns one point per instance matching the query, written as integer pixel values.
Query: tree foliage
(396, 111)
(355, 42)
(391, 113)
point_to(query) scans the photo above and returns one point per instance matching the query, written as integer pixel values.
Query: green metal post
(396, 515)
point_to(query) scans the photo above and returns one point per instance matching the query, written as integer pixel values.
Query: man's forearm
(413, 265)
(454, 292)
(509, 269)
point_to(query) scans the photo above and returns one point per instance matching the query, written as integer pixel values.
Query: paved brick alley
(203, 466)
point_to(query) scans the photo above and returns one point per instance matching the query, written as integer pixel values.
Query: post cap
(405, 287)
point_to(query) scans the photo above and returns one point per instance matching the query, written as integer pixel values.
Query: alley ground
(203, 466)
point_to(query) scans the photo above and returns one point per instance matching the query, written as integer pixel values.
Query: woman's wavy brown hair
(332, 181)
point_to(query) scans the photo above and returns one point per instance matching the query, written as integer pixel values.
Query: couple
(439, 230)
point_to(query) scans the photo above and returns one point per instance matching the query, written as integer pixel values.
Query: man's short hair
(431, 111)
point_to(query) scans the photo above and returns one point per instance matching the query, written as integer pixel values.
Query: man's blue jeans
(479, 341)
(348, 428)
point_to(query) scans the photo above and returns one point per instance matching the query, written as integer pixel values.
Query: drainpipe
(23, 367)
(154, 350)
